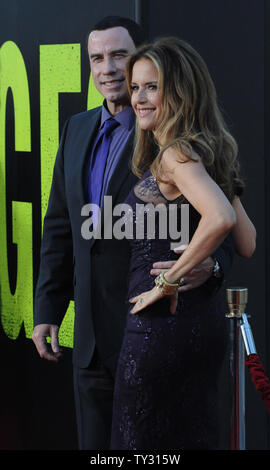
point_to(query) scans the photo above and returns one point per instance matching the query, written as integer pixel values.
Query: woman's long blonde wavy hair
(190, 119)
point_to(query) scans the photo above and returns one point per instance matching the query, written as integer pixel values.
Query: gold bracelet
(166, 287)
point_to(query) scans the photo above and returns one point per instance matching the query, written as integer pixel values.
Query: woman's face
(146, 96)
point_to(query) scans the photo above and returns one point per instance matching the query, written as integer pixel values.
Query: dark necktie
(98, 163)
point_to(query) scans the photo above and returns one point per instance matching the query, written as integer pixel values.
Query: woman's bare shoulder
(173, 157)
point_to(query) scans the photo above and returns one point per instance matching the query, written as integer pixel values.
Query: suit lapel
(85, 140)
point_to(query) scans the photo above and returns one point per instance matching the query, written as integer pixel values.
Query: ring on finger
(182, 281)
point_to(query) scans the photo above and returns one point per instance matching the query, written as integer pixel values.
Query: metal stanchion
(237, 300)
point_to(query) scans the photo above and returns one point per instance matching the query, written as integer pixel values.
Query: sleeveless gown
(165, 393)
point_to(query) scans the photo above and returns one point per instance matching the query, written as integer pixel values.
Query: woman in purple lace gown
(174, 345)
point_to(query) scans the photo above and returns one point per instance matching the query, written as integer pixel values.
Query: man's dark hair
(134, 29)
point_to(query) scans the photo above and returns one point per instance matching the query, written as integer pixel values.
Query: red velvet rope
(259, 377)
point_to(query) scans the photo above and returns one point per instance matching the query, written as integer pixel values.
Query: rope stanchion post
(237, 300)
(241, 342)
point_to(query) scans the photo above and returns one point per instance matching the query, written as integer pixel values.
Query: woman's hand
(149, 297)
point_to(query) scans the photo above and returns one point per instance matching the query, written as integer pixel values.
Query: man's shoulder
(81, 123)
(86, 115)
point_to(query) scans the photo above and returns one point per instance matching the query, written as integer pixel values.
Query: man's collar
(126, 117)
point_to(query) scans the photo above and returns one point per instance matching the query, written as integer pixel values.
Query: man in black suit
(96, 270)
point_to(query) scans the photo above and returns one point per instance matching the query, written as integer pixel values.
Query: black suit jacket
(95, 270)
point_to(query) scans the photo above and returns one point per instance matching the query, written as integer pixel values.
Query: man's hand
(40, 333)
(195, 278)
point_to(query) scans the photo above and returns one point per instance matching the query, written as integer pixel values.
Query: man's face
(108, 53)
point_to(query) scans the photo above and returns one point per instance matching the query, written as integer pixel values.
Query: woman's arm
(244, 232)
(217, 214)
(217, 220)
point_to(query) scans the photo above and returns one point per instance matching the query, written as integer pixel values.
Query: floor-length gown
(166, 382)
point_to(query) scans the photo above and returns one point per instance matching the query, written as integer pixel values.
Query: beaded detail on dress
(147, 190)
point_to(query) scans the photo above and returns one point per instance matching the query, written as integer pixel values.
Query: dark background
(36, 397)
